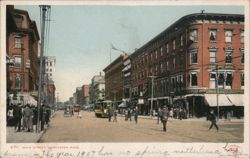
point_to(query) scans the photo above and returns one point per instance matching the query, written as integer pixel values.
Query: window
(194, 56)
(50, 70)
(241, 36)
(50, 63)
(212, 55)
(173, 44)
(242, 79)
(156, 54)
(229, 79)
(242, 60)
(17, 81)
(228, 35)
(221, 79)
(17, 42)
(151, 56)
(193, 36)
(17, 61)
(18, 20)
(161, 68)
(174, 63)
(167, 65)
(167, 48)
(212, 35)
(212, 76)
(194, 81)
(161, 51)
(181, 40)
(229, 58)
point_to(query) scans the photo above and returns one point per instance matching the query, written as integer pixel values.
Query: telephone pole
(44, 9)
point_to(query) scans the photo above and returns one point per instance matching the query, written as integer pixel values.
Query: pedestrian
(10, 117)
(115, 116)
(47, 115)
(212, 118)
(164, 117)
(109, 113)
(136, 114)
(17, 114)
(35, 115)
(42, 116)
(28, 114)
(129, 114)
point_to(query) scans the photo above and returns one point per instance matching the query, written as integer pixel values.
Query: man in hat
(164, 117)
(17, 113)
(212, 118)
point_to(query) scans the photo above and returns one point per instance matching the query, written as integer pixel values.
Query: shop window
(212, 35)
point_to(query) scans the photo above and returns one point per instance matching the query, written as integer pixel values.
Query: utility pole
(217, 93)
(44, 9)
(152, 94)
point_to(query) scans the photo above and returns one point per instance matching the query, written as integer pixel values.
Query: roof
(184, 21)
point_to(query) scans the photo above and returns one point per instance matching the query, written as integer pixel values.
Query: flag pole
(110, 53)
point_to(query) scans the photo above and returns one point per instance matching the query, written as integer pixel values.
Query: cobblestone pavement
(92, 129)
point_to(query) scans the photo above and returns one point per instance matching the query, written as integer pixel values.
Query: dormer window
(18, 20)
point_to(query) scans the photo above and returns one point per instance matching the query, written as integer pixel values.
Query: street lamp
(217, 93)
(152, 93)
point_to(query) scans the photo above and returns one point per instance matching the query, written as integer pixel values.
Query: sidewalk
(188, 119)
(25, 137)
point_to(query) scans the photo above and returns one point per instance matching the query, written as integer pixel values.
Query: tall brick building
(22, 50)
(114, 79)
(186, 58)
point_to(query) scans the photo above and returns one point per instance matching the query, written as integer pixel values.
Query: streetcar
(101, 108)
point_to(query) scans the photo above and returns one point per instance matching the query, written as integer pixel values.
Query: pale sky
(80, 36)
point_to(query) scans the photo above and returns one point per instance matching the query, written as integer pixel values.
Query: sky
(80, 37)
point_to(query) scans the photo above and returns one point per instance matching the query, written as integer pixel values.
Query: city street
(92, 129)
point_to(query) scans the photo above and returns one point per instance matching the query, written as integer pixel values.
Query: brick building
(85, 94)
(22, 52)
(186, 58)
(114, 79)
(97, 88)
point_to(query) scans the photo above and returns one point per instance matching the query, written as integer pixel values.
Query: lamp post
(217, 93)
(152, 93)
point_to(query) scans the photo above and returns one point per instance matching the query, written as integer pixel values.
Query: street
(92, 129)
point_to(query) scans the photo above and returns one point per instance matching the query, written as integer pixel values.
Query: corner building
(195, 62)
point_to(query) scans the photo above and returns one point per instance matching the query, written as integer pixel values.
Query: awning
(27, 99)
(224, 99)
(122, 105)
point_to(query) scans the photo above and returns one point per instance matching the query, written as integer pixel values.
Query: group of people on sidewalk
(128, 114)
(24, 117)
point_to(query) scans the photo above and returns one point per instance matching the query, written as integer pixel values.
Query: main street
(92, 129)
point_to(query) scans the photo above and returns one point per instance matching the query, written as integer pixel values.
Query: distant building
(114, 79)
(190, 60)
(50, 62)
(85, 94)
(97, 88)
